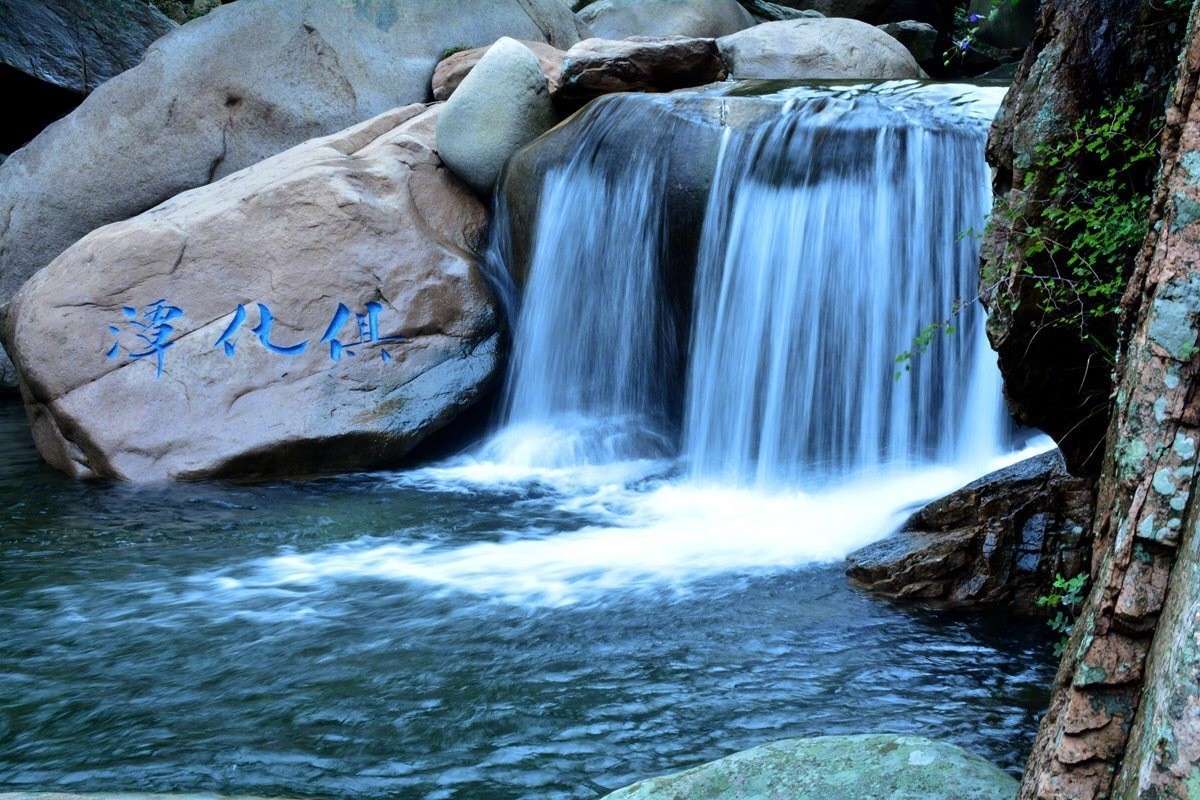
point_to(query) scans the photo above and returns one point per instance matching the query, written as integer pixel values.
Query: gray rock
(805, 49)
(451, 70)
(77, 44)
(242, 83)
(699, 19)
(997, 541)
(596, 67)
(836, 768)
(764, 11)
(865, 10)
(500, 107)
(919, 37)
(316, 235)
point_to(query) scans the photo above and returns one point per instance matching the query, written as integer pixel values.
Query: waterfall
(838, 226)
(594, 347)
(834, 235)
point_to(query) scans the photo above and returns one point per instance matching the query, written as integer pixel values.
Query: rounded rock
(502, 105)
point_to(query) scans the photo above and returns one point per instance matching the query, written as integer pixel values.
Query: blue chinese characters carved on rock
(152, 331)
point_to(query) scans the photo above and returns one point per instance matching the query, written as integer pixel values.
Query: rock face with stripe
(320, 310)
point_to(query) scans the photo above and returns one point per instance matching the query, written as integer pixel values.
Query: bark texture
(1124, 719)
(1084, 54)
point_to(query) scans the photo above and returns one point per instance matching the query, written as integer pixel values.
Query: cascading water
(837, 228)
(834, 235)
(780, 252)
(592, 358)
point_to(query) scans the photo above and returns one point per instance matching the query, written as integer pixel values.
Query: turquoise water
(419, 635)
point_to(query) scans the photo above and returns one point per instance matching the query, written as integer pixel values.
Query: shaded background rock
(244, 82)
(54, 52)
(596, 67)
(920, 38)
(817, 49)
(500, 107)
(617, 19)
(764, 11)
(367, 215)
(1086, 54)
(998, 541)
(827, 767)
(451, 70)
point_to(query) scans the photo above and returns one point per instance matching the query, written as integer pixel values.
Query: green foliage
(181, 11)
(1066, 596)
(452, 49)
(1079, 249)
(966, 29)
(925, 337)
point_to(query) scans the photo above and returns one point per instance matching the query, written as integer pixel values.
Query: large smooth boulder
(997, 541)
(452, 70)
(596, 67)
(618, 19)
(836, 768)
(499, 108)
(321, 310)
(242, 83)
(823, 49)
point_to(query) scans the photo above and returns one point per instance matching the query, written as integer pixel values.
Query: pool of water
(425, 635)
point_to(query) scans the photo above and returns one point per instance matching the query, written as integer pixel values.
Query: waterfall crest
(837, 227)
(835, 234)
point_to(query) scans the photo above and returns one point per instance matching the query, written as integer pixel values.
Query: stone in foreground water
(874, 766)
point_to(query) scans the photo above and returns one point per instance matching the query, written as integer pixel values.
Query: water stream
(637, 571)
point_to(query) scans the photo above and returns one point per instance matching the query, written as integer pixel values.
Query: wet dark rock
(999, 540)
(919, 37)
(597, 67)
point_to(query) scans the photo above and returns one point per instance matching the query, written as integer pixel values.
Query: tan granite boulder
(244, 82)
(320, 310)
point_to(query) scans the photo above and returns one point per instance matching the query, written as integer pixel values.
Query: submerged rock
(596, 67)
(618, 19)
(451, 71)
(836, 767)
(825, 49)
(318, 311)
(999, 540)
(242, 83)
(503, 105)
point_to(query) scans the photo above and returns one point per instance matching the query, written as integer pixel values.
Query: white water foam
(668, 535)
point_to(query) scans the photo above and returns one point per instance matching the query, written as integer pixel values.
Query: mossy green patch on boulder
(866, 767)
